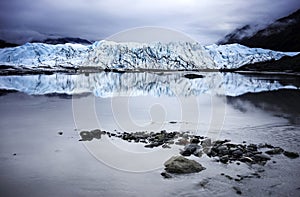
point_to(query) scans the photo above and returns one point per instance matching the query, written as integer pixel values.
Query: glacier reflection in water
(109, 84)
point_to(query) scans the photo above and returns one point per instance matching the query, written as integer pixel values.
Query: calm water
(256, 109)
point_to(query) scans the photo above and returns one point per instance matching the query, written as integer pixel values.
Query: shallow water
(49, 164)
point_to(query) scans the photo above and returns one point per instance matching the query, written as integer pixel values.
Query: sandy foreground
(35, 160)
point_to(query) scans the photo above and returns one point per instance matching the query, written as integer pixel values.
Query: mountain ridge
(281, 35)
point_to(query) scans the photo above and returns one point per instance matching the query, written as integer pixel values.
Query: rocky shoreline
(222, 151)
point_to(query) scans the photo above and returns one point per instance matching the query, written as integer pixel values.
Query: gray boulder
(182, 165)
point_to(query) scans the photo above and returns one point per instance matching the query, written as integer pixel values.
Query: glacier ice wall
(166, 56)
(136, 56)
(44, 56)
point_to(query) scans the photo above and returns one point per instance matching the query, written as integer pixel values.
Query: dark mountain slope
(285, 64)
(4, 44)
(282, 35)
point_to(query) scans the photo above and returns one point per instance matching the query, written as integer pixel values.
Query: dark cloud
(206, 20)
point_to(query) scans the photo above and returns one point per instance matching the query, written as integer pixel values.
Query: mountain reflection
(109, 84)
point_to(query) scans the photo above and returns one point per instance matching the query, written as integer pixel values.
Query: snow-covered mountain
(109, 84)
(112, 55)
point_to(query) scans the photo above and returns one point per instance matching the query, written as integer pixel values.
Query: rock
(86, 136)
(207, 150)
(275, 151)
(96, 133)
(189, 149)
(291, 155)
(222, 150)
(182, 165)
(261, 159)
(224, 159)
(153, 144)
(166, 175)
(237, 153)
(237, 190)
(166, 146)
(228, 176)
(265, 145)
(203, 183)
(198, 153)
(170, 142)
(182, 142)
(194, 141)
(211, 152)
(219, 142)
(185, 136)
(247, 160)
(252, 147)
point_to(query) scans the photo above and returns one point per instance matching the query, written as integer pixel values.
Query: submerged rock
(237, 190)
(203, 183)
(275, 151)
(166, 175)
(182, 165)
(291, 155)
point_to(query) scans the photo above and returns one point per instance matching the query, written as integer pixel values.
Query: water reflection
(282, 103)
(109, 84)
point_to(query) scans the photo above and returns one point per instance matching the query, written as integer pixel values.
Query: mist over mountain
(53, 41)
(64, 40)
(281, 35)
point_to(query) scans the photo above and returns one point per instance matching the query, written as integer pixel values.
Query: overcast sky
(206, 21)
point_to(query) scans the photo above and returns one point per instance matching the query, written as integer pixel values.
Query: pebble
(203, 183)
(166, 175)
(237, 190)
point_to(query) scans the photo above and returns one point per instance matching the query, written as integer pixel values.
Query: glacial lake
(42, 116)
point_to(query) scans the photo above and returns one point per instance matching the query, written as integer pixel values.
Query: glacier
(232, 56)
(39, 56)
(110, 84)
(133, 56)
